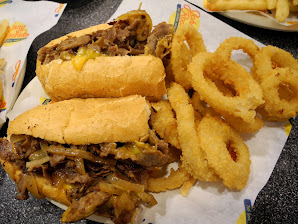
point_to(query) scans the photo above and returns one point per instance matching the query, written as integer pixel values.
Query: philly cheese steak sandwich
(119, 58)
(94, 155)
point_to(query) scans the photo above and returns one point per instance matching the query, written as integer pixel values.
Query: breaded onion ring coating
(187, 185)
(237, 43)
(184, 63)
(278, 108)
(202, 107)
(180, 61)
(235, 122)
(193, 158)
(239, 125)
(163, 121)
(248, 92)
(270, 58)
(226, 152)
(173, 181)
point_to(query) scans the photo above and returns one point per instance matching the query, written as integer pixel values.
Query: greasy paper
(23, 29)
(206, 202)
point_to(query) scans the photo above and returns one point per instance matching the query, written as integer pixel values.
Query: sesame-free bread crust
(86, 121)
(103, 76)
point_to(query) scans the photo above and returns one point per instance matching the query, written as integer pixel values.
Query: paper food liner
(206, 202)
(291, 20)
(23, 29)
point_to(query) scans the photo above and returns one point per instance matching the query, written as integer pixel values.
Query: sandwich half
(94, 155)
(120, 58)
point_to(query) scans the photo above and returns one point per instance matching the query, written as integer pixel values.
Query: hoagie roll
(108, 60)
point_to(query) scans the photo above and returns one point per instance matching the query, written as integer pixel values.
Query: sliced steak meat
(107, 148)
(74, 42)
(75, 192)
(24, 146)
(82, 187)
(141, 153)
(22, 188)
(31, 147)
(56, 159)
(6, 152)
(161, 31)
(132, 172)
(118, 40)
(156, 158)
(78, 178)
(121, 35)
(85, 206)
(159, 143)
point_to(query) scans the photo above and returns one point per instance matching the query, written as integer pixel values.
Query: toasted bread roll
(107, 60)
(109, 120)
(104, 77)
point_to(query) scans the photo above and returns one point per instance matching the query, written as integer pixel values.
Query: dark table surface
(277, 201)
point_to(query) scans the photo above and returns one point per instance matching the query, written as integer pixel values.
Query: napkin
(26, 21)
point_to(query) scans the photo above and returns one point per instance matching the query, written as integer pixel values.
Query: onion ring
(236, 43)
(235, 122)
(271, 57)
(241, 126)
(248, 92)
(267, 117)
(179, 60)
(170, 77)
(226, 152)
(193, 158)
(173, 181)
(239, 43)
(202, 107)
(275, 107)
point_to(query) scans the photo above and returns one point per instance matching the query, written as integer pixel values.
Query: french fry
(3, 30)
(282, 10)
(271, 4)
(294, 6)
(282, 7)
(1, 62)
(222, 5)
(187, 185)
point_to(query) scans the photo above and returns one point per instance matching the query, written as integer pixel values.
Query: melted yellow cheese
(82, 56)
(68, 187)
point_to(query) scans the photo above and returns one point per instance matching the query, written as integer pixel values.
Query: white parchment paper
(206, 202)
(26, 20)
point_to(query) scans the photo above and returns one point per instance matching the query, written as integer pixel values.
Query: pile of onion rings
(212, 99)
